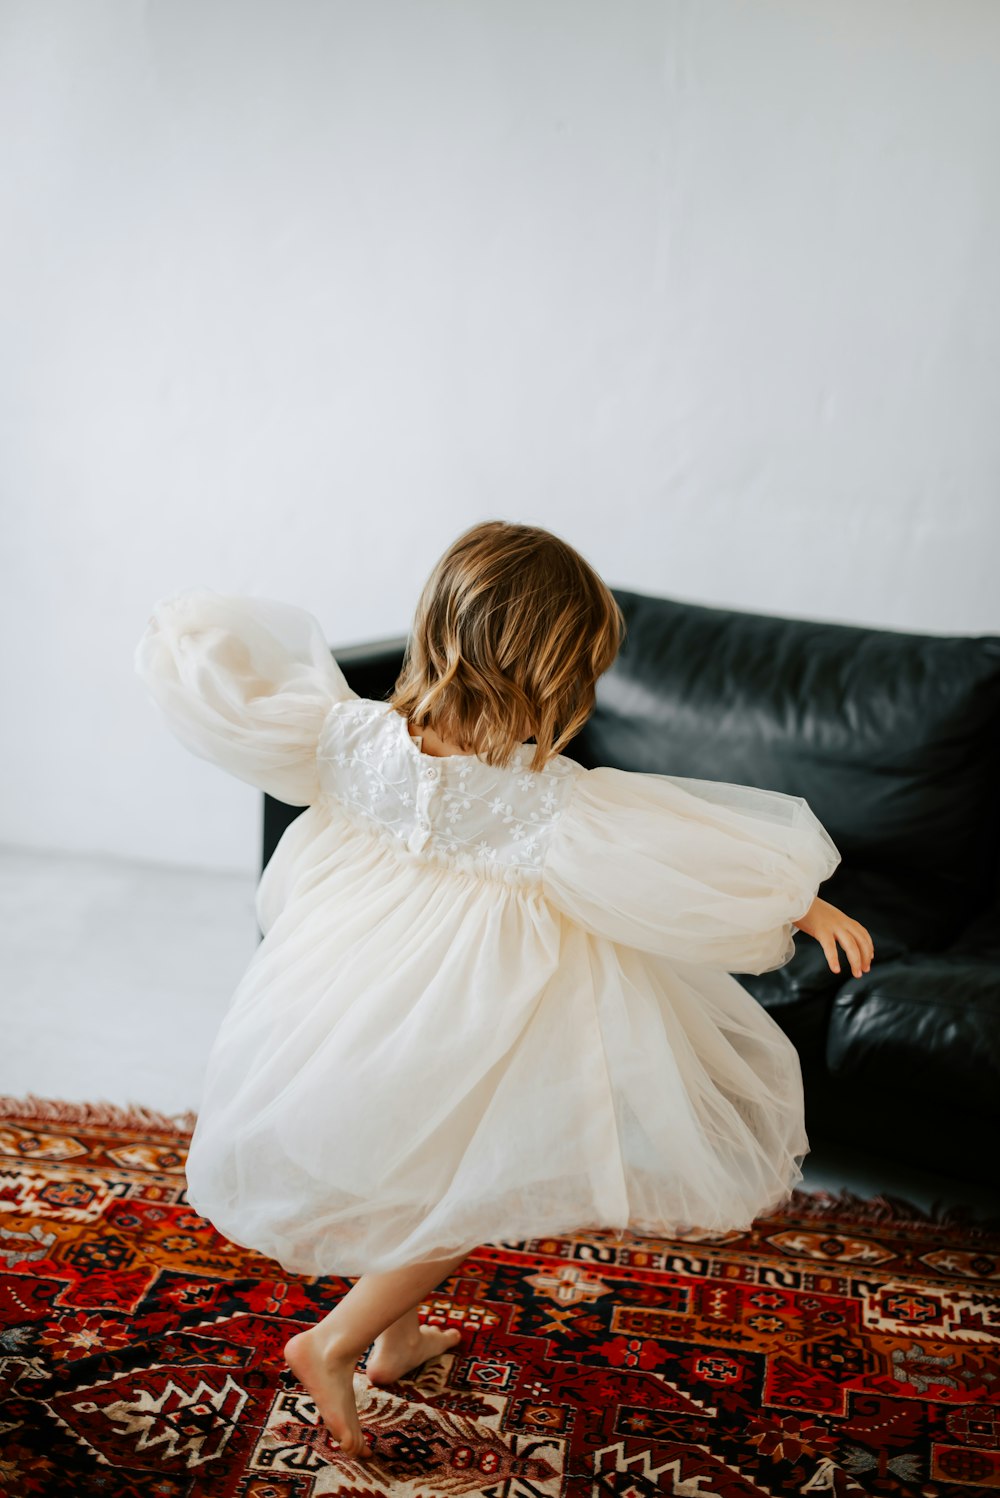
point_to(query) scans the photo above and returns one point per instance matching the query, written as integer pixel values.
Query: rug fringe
(887, 1207)
(101, 1114)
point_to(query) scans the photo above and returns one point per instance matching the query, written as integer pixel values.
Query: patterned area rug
(841, 1346)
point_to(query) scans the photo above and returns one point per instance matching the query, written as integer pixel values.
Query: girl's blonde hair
(511, 632)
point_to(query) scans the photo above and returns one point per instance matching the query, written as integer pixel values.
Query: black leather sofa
(894, 740)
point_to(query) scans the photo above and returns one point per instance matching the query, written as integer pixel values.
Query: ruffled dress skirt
(420, 1059)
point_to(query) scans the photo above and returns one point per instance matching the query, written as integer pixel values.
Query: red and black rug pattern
(839, 1346)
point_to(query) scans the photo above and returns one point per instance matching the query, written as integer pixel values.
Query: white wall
(293, 292)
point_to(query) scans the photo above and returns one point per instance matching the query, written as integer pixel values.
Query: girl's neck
(431, 743)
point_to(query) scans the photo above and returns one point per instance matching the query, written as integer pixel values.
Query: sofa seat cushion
(925, 1028)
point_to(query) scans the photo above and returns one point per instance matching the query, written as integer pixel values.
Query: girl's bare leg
(382, 1306)
(405, 1345)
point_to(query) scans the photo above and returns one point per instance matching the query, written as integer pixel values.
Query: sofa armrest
(372, 667)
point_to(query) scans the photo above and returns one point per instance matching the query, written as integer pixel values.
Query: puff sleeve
(706, 872)
(245, 683)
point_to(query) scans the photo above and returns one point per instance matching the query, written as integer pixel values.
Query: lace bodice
(494, 820)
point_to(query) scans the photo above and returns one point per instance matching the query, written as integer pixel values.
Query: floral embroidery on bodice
(489, 819)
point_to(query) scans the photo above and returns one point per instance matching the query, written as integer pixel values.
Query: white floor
(117, 973)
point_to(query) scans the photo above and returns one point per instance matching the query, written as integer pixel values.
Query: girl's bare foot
(392, 1357)
(330, 1382)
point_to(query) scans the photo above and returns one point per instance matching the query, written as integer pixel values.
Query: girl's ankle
(391, 1339)
(334, 1349)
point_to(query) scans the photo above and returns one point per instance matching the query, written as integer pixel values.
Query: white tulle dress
(489, 1003)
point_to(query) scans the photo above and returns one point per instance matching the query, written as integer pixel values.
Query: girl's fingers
(852, 950)
(864, 937)
(859, 949)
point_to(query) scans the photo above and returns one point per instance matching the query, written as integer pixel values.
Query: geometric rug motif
(840, 1346)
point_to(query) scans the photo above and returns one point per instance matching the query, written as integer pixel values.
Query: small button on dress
(491, 1002)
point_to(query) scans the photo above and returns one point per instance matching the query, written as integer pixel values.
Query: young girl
(495, 995)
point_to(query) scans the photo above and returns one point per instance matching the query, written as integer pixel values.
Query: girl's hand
(830, 925)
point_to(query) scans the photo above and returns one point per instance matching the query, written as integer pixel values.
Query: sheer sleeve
(244, 682)
(704, 871)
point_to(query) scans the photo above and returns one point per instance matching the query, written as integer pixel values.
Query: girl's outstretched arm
(244, 682)
(706, 872)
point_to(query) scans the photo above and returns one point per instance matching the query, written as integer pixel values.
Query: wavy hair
(511, 632)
